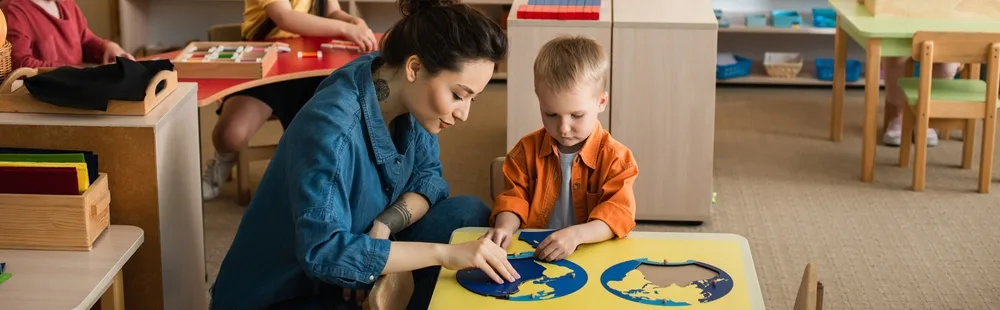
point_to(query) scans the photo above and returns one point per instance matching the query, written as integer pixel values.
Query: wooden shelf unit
(752, 42)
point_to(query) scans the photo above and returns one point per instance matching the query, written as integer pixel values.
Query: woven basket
(783, 65)
(5, 64)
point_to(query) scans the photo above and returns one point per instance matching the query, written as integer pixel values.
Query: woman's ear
(413, 67)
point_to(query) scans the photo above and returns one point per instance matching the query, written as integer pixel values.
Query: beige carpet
(795, 195)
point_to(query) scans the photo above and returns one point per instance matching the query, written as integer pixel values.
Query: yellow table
(881, 37)
(727, 252)
(42, 280)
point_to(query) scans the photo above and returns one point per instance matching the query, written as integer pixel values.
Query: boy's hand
(500, 236)
(558, 245)
(112, 50)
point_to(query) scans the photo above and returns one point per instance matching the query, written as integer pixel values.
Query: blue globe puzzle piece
(478, 282)
(534, 238)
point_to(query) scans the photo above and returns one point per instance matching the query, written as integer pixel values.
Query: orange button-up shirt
(603, 173)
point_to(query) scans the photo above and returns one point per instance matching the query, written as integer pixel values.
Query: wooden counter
(663, 83)
(153, 164)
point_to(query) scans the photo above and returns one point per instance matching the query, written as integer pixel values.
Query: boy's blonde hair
(570, 62)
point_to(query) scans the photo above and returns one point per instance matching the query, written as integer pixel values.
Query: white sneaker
(218, 172)
(894, 134)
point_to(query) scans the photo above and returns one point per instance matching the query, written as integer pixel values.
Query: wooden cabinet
(663, 86)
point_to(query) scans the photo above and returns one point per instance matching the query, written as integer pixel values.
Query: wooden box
(951, 9)
(55, 222)
(18, 99)
(226, 60)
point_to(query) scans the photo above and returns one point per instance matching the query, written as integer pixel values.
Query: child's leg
(895, 100)
(239, 120)
(895, 68)
(244, 114)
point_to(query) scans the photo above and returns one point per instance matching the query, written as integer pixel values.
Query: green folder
(44, 158)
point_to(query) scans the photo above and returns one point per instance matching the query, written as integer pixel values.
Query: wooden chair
(244, 157)
(226, 32)
(390, 292)
(810, 295)
(935, 103)
(496, 177)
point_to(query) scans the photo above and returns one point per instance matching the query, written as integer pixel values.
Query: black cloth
(91, 88)
(285, 98)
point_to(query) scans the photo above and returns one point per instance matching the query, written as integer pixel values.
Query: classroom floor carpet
(795, 195)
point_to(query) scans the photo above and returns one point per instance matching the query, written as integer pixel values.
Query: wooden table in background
(880, 37)
(61, 280)
(153, 164)
(727, 252)
(287, 67)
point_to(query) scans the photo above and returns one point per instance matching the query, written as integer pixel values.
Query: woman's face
(441, 101)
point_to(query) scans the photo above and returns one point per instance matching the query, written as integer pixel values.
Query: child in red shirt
(54, 33)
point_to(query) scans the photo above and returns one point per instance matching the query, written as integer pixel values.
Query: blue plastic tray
(824, 18)
(785, 18)
(824, 69)
(740, 69)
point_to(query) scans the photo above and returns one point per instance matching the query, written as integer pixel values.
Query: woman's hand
(378, 231)
(482, 254)
(558, 245)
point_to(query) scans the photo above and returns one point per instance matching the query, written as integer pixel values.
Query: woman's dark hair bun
(410, 7)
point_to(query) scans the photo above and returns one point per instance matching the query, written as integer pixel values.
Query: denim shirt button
(386, 190)
(371, 278)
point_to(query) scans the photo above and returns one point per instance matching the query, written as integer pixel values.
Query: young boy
(242, 114)
(570, 176)
(54, 33)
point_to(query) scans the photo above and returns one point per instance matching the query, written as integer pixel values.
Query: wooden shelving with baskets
(812, 38)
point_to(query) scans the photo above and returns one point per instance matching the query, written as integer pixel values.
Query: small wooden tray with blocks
(20, 100)
(226, 60)
(55, 222)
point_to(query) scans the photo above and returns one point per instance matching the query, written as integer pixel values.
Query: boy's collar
(588, 153)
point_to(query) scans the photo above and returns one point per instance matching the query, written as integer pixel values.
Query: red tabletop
(287, 67)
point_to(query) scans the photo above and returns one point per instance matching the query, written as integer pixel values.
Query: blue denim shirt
(335, 169)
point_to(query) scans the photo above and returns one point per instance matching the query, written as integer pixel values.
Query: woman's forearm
(408, 209)
(409, 256)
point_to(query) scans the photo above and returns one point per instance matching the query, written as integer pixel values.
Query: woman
(321, 219)
(246, 111)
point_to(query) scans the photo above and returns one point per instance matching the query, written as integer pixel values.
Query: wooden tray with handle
(19, 100)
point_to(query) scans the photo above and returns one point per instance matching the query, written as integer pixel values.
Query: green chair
(946, 103)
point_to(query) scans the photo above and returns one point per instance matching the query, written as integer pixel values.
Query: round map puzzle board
(539, 280)
(634, 280)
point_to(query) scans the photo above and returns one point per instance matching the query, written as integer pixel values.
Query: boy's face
(570, 116)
